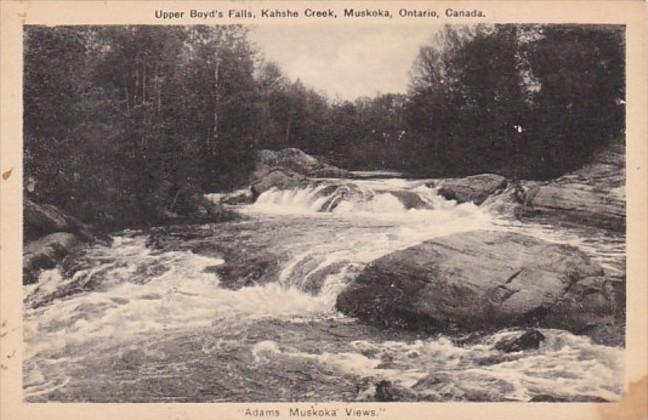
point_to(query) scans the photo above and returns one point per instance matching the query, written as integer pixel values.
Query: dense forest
(121, 122)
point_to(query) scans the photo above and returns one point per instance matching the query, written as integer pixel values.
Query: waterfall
(358, 198)
(128, 304)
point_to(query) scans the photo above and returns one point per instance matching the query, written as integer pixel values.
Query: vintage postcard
(291, 210)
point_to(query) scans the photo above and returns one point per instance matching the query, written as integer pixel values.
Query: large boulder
(46, 252)
(484, 279)
(278, 178)
(476, 188)
(42, 219)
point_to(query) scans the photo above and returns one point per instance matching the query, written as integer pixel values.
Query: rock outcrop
(591, 196)
(565, 201)
(297, 161)
(50, 235)
(287, 169)
(339, 193)
(42, 219)
(476, 188)
(481, 280)
(46, 252)
(195, 208)
(410, 200)
(278, 178)
(246, 262)
(528, 340)
(238, 197)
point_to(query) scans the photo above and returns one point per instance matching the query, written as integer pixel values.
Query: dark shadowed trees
(523, 100)
(123, 123)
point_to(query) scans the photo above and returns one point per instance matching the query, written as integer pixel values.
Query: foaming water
(397, 199)
(440, 370)
(142, 292)
(321, 237)
(298, 201)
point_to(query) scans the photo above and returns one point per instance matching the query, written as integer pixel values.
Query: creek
(160, 324)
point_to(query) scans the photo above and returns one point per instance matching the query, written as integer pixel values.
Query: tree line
(123, 123)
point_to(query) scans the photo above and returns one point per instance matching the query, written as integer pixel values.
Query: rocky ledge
(476, 188)
(49, 236)
(485, 280)
(592, 196)
(283, 169)
(297, 161)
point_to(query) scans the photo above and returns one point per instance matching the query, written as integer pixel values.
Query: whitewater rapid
(140, 305)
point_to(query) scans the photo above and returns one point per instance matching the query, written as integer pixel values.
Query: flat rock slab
(575, 202)
(483, 279)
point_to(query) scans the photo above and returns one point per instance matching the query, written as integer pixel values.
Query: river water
(159, 325)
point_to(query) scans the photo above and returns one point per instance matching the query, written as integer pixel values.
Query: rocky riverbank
(591, 196)
(52, 237)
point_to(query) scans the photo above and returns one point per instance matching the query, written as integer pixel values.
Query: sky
(344, 61)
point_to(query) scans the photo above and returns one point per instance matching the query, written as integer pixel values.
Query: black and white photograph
(301, 213)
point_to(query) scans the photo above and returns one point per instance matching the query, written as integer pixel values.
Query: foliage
(522, 100)
(123, 124)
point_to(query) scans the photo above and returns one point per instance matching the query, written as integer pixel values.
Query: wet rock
(278, 178)
(411, 200)
(80, 260)
(46, 252)
(476, 188)
(239, 197)
(246, 269)
(344, 192)
(315, 280)
(528, 340)
(591, 196)
(574, 202)
(246, 260)
(71, 280)
(386, 391)
(478, 280)
(192, 207)
(599, 304)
